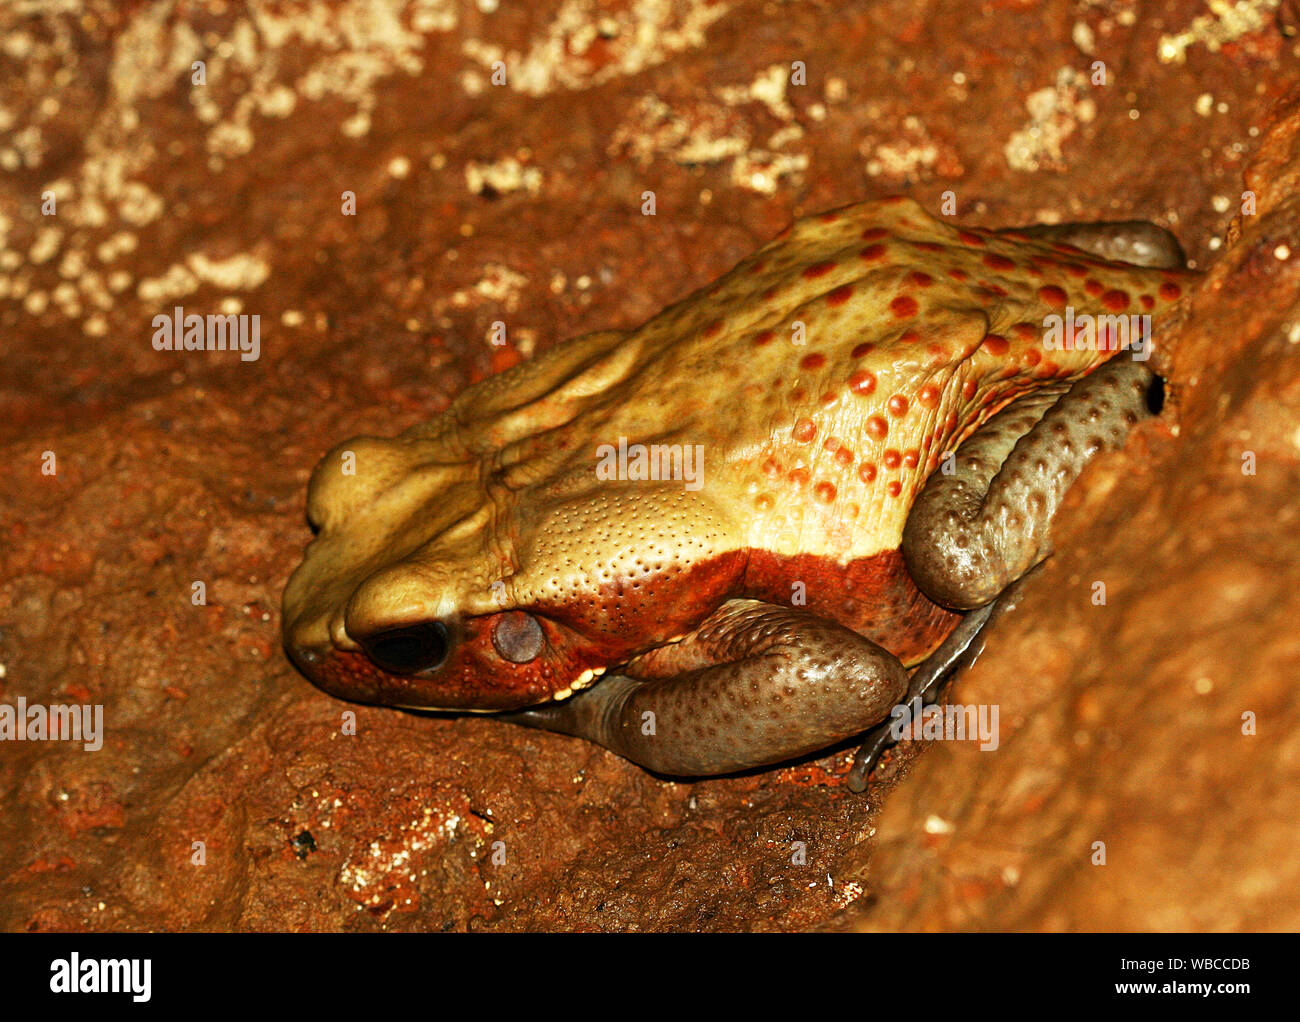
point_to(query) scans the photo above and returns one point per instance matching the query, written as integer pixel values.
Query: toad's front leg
(755, 684)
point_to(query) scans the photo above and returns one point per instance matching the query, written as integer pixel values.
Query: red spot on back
(904, 307)
(862, 382)
(867, 472)
(956, 273)
(1093, 286)
(898, 406)
(918, 279)
(997, 261)
(970, 238)
(844, 457)
(818, 269)
(892, 459)
(1052, 295)
(813, 360)
(928, 395)
(800, 477)
(894, 488)
(764, 337)
(713, 329)
(865, 348)
(1169, 291)
(1147, 302)
(1115, 300)
(1075, 269)
(804, 430)
(872, 253)
(878, 427)
(874, 233)
(1025, 333)
(825, 492)
(840, 295)
(996, 344)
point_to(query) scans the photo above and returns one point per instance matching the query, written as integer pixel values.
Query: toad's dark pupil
(409, 650)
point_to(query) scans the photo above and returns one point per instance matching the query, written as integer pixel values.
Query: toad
(747, 530)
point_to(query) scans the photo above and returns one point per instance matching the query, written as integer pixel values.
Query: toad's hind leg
(755, 684)
(974, 532)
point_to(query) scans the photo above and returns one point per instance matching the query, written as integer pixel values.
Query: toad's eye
(410, 650)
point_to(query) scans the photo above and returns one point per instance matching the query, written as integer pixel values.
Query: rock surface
(227, 795)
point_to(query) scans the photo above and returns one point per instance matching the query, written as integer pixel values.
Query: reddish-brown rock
(521, 203)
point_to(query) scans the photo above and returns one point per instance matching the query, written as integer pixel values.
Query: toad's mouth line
(584, 680)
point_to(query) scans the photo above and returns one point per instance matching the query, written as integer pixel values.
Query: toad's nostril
(409, 650)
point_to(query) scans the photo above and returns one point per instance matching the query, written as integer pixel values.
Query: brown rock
(228, 795)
